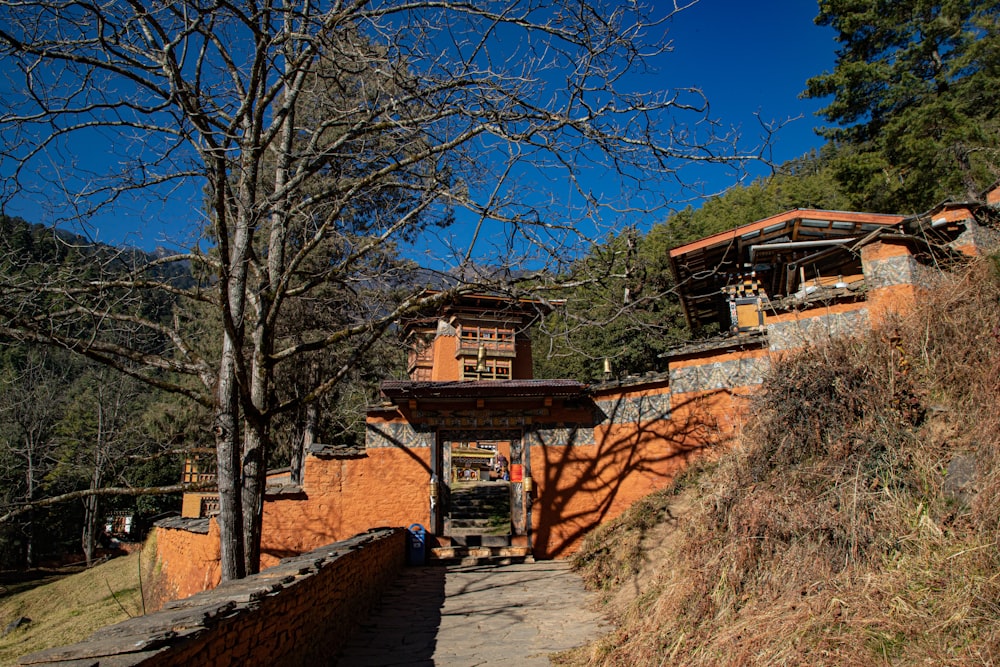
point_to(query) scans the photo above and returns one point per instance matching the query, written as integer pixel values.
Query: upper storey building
(476, 337)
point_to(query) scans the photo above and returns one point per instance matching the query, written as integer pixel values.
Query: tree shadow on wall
(582, 483)
(403, 627)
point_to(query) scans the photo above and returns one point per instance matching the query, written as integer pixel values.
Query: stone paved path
(465, 616)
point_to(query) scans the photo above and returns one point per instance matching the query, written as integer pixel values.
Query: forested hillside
(914, 101)
(72, 426)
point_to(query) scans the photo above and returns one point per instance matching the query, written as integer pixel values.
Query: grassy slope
(836, 534)
(72, 608)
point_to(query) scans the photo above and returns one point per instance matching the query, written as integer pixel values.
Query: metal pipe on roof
(795, 245)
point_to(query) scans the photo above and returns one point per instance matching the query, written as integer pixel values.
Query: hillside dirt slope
(856, 524)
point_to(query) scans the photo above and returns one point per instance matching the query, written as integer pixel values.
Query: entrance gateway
(481, 495)
(471, 395)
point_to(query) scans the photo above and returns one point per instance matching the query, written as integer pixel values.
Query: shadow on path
(476, 615)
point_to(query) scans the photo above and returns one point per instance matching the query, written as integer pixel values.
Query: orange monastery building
(492, 462)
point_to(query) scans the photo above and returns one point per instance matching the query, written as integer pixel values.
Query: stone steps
(478, 510)
(474, 527)
(473, 539)
(478, 527)
(481, 555)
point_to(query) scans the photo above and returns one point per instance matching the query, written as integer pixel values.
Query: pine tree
(915, 93)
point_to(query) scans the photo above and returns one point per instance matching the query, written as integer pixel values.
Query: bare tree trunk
(88, 540)
(29, 547)
(256, 436)
(254, 480)
(306, 441)
(228, 469)
(105, 423)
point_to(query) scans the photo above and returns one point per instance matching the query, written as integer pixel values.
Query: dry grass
(835, 535)
(71, 609)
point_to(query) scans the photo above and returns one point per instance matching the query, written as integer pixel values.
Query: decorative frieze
(563, 435)
(815, 330)
(628, 409)
(719, 375)
(395, 434)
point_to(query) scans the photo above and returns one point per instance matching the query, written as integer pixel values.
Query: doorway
(478, 507)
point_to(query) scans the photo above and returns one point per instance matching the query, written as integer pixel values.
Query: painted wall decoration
(629, 409)
(395, 434)
(817, 330)
(720, 375)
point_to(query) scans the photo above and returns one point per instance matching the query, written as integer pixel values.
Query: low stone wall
(298, 612)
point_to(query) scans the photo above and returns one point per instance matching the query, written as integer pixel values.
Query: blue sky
(755, 57)
(747, 57)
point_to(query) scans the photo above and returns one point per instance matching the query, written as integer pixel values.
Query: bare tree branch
(103, 492)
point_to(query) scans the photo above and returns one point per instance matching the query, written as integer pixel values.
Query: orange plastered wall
(708, 418)
(387, 487)
(798, 315)
(713, 416)
(578, 487)
(189, 562)
(878, 250)
(886, 302)
(446, 366)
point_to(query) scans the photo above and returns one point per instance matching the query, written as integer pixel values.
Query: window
(491, 338)
(494, 369)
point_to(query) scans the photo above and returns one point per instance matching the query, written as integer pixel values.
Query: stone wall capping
(199, 525)
(717, 344)
(284, 490)
(335, 452)
(629, 381)
(256, 610)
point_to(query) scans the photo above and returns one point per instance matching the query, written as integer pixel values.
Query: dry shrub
(612, 553)
(832, 536)
(956, 339)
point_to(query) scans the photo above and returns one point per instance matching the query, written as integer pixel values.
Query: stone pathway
(465, 616)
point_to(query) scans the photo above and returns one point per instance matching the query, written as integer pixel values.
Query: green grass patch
(70, 609)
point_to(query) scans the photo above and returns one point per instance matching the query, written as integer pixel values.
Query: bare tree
(325, 135)
(31, 405)
(99, 436)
